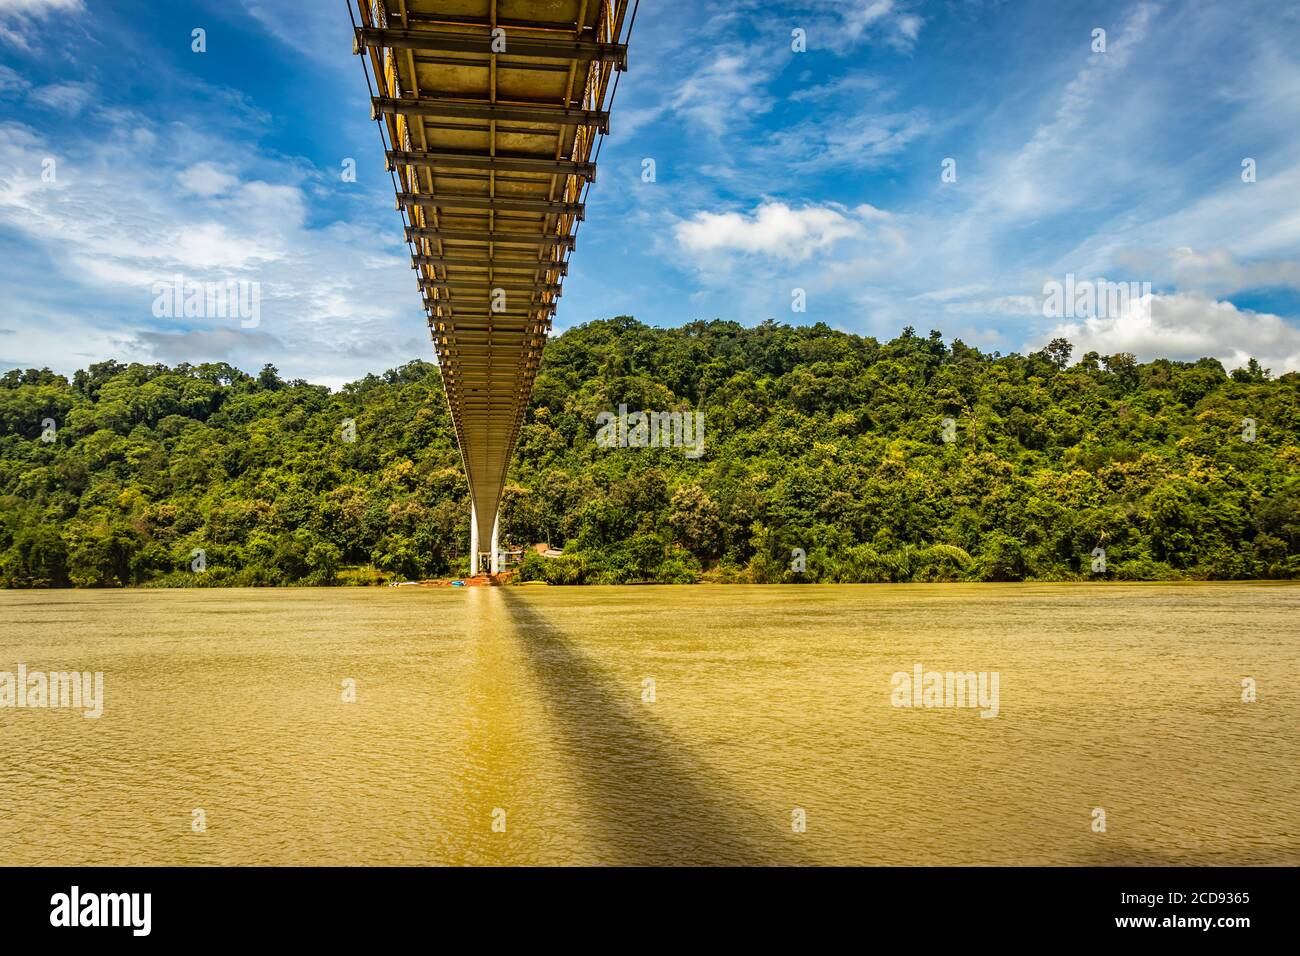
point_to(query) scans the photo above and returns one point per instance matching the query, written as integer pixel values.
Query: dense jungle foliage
(823, 451)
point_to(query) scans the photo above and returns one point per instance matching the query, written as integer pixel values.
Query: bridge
(491, 114)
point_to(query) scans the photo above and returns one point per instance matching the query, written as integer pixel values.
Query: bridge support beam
(496, 546)
(473, 540)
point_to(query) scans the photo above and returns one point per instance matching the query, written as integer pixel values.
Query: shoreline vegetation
(828, 458)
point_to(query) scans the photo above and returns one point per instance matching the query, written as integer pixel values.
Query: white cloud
(315, 29)
(1078, 175)
(10, 80)
(136, 203)
(37, 7)
(70, 98)
(1215, 271)
(1043, 174)
(861, 20)
(1001, 305)
(774, 229)
(207, 179)
(726, 90)
(851, 83)
(861, 140)
(1188, 326)
(17, 17)
(748, 264)
(948, 295)
(630, 119)
(110, 222)
(244, 348)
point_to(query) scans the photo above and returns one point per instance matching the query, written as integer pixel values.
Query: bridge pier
(473, 540)
(496, 548)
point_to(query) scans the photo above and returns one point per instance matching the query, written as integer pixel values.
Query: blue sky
(775, 170)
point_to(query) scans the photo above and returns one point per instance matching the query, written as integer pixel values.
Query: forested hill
(910, 460)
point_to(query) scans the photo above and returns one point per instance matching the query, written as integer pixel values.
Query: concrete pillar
(496, 547)
(473, 539)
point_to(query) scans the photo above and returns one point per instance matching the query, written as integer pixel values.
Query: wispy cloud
(887, 20)
(849, 84)
(19, 18)
(318, 30)
(70, 98)
(131, 209)
(777, 169)
(838, 141)
(725, 91)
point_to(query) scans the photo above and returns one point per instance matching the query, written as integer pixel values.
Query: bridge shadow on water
(656, 804)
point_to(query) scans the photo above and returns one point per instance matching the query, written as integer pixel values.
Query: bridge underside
(491, 109)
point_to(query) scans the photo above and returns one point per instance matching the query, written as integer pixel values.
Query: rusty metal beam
(529, 47)
(498, 163)
(488, 288)
(487, 112)
(494, 203)
(510, 265)
(495, 236)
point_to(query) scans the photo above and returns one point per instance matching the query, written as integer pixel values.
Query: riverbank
(830, 458)
(371, 578)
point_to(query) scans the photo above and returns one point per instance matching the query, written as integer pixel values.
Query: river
(656, 725)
